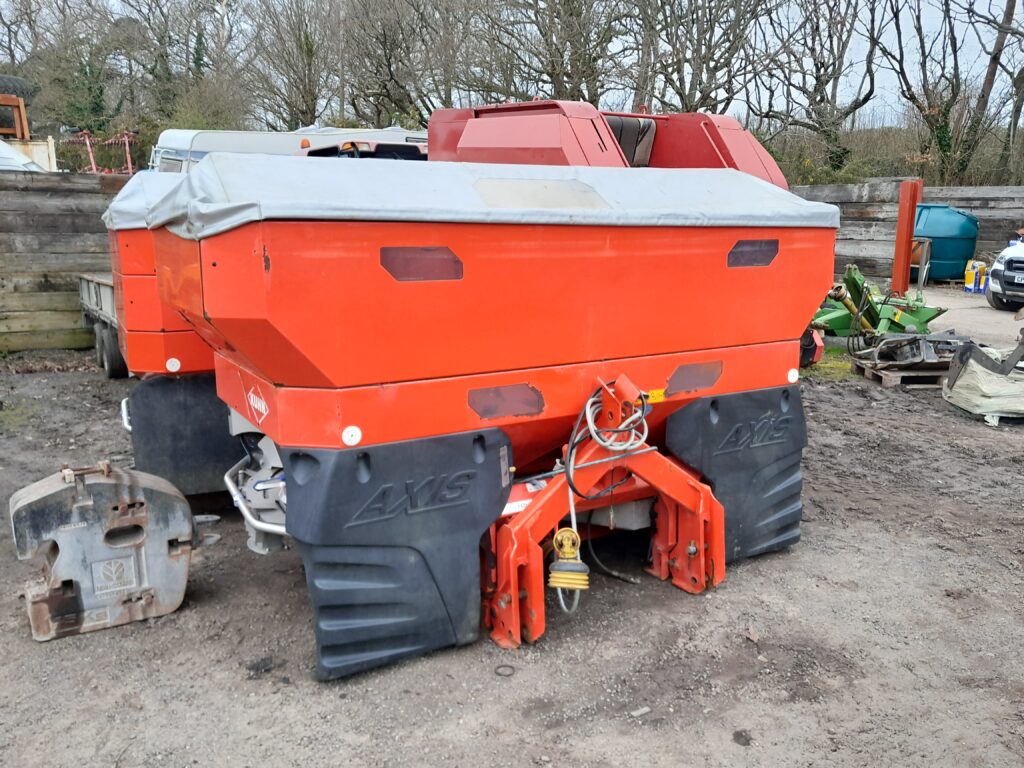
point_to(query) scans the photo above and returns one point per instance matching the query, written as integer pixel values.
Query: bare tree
(406, 58)
(642, 46)
(281, 64)
(562, 49)
(220, 56)
(72, 61)
(818, 84)
(18, 31)
(297, 60)
(1007, 50)
(152, 37)
(380, 47)
(708, 51)
(927, 61)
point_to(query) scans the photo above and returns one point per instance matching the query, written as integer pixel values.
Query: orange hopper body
(153, 336)
(409, 350)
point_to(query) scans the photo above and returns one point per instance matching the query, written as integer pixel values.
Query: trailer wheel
(99, 333)
(113, 364)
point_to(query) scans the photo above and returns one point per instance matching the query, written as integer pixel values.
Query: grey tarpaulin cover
(129, 208)
(225, 191)
(986, 393)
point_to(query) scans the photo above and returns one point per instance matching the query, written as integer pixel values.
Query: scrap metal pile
(423, 374)
(888, 333)
(988, 382)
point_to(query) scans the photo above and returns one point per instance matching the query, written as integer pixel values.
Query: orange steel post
(689, 543)
(911, 193)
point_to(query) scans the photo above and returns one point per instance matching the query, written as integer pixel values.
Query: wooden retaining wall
(50, 230)
(868, 230)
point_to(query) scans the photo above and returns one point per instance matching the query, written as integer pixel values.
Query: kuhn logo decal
(431, 494)
(767, 430)
(258, 407)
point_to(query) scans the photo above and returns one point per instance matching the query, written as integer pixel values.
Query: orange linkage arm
(689, 542)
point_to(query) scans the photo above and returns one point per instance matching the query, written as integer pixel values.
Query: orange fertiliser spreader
(445, 351)
(153, 336)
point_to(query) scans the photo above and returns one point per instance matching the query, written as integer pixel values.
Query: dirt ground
(892, 634)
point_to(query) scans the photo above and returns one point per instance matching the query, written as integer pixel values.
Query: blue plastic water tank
(954, 236)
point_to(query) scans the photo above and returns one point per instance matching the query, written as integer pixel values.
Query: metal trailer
(99, 311)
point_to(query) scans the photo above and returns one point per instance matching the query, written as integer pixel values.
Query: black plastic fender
(390, 539)
(748, 446)
(180, 432)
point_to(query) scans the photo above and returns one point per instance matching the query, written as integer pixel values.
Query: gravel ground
(969, 314)
(890, 635)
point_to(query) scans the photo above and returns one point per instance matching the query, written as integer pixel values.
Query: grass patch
(835, 365)
(14, 417)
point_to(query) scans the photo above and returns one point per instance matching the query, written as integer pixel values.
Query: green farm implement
(854, 306)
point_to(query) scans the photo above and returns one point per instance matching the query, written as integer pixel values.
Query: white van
(177, 150)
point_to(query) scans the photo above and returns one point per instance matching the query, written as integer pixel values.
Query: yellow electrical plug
(568, 571)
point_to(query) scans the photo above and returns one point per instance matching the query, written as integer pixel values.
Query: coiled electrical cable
(628, 436)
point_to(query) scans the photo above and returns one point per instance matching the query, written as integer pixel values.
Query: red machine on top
(569, 133)
(408, 348)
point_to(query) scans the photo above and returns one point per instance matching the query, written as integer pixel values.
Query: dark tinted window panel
(753, 253)
(421, 263)
(511, 400)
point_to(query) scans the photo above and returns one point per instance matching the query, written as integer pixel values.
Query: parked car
(1006, 278)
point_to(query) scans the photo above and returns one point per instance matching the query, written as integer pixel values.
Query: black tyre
(99, 332)
(17, 86)
(998, 302)
(113, 364)
(808, 348)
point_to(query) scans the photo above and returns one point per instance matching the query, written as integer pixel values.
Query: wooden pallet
(909, 378)
(956, 282)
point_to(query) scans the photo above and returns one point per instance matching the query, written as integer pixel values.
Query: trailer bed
(99, 311)
(96, 294)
